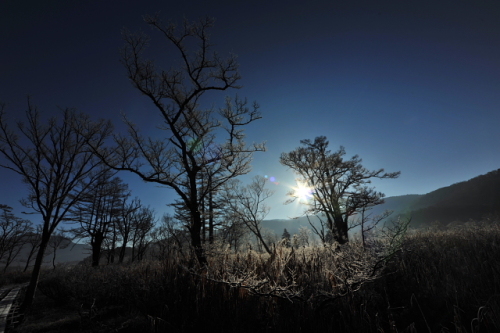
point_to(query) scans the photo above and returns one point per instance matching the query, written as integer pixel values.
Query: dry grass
(440, 281)
(443, 278)
(14, 277)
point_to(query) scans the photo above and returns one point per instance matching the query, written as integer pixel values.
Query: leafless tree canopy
(339, 186)
(198, 142)
(247, 205)
(53, 160)
(14, 233)
(99, 210)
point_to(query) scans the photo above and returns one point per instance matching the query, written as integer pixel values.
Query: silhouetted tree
(247, 205)
(14, 232)
(232, 230)
(198, 141)
(286, 237)
(53, 160)
(338, 187)
(143, 221)
(367, 221)
(33, 240)
(170, 237)
(57, 241)
(98, 210)
(126, 223)
(323, 231)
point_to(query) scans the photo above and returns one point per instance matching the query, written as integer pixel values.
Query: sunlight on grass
(435, 281)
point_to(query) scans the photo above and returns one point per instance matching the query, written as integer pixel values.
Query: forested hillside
(460, 202)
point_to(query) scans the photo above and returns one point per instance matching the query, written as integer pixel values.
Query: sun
(302, 192)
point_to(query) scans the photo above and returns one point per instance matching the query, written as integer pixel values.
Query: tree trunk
(121, 256)
(210, 216)
(123, 248)
(28, 260)
(111, 255)
(342, 236)
(54, 258)
(195, 231)
(203, 224)
(96, 244)
(30, 291)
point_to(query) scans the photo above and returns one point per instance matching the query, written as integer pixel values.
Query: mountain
(460, 202)
(472, 199)
(291, 225)
(67, 253)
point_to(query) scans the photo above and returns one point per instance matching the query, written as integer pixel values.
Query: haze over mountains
(472, 199)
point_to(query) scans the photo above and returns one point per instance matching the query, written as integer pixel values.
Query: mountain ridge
(458, 202)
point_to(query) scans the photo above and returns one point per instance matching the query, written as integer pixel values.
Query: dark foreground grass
(440, 281)
(14, 276)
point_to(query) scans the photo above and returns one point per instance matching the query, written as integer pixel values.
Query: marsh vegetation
(435, 281)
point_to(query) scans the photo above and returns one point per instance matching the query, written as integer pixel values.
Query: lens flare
(272, 179)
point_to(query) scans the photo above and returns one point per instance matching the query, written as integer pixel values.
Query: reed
(437, 281)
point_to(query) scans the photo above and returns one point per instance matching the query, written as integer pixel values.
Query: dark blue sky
(410, 86)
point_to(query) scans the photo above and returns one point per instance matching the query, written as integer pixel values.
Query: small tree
(57, 241)
(33, 240)
(368, 222)
(143, 221)
(301, 238)
(14, 233)
(337, 187)
(125, 224)
(98, 210)
(286, 238)
(233, 231)
(53, 160)
(171, 237)
(247, 205)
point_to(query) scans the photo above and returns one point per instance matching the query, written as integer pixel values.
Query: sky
(410, 86)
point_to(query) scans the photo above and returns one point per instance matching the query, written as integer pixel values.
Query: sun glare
(302, 192)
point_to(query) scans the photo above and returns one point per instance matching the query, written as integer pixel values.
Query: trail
(8, 310)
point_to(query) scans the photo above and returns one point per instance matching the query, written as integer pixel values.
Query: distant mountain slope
(291, 225)
(471, 199)
(69, 253)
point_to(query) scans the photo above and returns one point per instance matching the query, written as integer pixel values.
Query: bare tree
(233, 230)
(198, 141)
(302, 238)
(247, 205)
(367, 222)
(143, 221)
(169, 237)
(53, 160)
(14, 232)
(125, 224)
(33, 240)
(338, 187)
(323, 231)
(98, 210)
(57, 241)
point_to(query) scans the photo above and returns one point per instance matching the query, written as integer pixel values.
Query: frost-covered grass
(438, 281)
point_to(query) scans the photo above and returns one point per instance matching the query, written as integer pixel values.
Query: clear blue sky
(410, 86)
